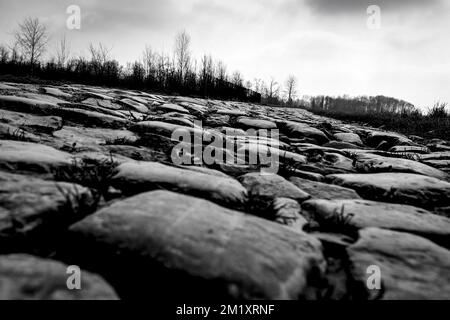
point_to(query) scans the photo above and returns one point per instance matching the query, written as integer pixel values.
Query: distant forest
(362, 104)
(385, 112)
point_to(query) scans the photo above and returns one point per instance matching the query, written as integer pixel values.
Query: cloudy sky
(325, 43)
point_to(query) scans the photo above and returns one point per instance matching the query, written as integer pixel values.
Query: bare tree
(137, 72)
(161, 68)
(291, 88)
(62, 52)
(15, 54)
(237, 79)
(182, 53)
(257, 85)
(31, 37)
(206, 62)
(100, 55)
(4, 54)
(221, 71)
(272, 90)
(262, 87)
(149, 61)
(206, 73)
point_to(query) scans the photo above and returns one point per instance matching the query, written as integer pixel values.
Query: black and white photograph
(224, 154)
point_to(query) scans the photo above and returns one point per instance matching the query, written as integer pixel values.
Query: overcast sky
(325, 43)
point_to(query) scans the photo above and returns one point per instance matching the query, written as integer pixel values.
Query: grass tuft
(94, 174)
(16, 135)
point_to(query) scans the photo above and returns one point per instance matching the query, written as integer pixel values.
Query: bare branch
(291, 90)
(62, 52)
(182, 53)
(31, 37)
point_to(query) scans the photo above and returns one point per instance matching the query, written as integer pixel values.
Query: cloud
(353, 6)
(115, 14)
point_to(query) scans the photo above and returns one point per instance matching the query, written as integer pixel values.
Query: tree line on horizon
(175, 73)
(361, 104)
(387, 113)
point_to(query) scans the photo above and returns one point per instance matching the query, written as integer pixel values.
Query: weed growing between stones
(338, 221)
(76, 205)
(92, 173)
(402, 155)
(16, 135)
(288, 167)
(366, 167)
(205, 115)
(70, 148)
(134, 118)
(340, 218)
(121, 141)
(157, 142)
(260, 206)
